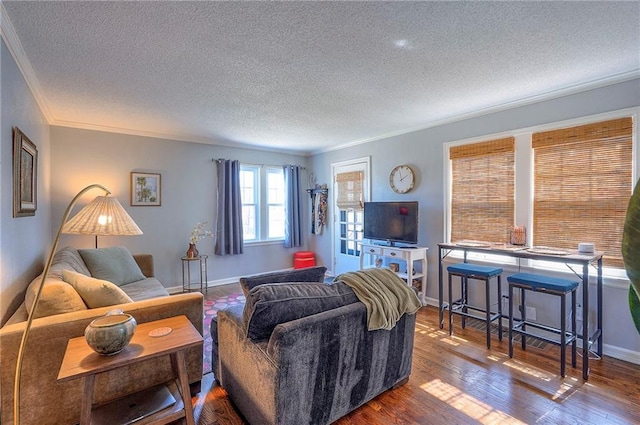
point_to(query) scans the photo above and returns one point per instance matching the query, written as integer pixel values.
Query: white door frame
(366, 189)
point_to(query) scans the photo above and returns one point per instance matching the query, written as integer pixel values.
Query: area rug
(211, 308)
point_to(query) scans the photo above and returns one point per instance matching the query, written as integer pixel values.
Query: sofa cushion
(309, 274)
(68, 258)
(268, 305)
(114, 264)
(95, 292)
(57, 297)
(145, 289)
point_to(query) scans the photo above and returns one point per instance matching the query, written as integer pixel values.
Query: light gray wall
(24, 241)
(82, 157)
(423, 150)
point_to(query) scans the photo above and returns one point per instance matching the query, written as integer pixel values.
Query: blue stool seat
(543, 283)
(474, 270)
(462, 306)
(552, 286)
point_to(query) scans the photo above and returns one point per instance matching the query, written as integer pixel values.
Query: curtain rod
(260, 165)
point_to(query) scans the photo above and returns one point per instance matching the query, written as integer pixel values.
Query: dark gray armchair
(309, 358)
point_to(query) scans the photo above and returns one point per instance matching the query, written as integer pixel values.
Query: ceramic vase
(108, 335)
(192, 252)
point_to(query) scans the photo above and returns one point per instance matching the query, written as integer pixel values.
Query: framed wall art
(25, 175)
(145, 189)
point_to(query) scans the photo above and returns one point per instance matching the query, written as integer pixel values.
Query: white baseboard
(218, 282)
(607, 349)
(621, 353)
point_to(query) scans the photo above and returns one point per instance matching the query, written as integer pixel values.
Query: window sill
(265, 242)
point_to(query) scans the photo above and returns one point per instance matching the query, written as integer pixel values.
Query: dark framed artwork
(145, 189)
(25, 175)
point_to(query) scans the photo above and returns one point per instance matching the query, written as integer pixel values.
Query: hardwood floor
(456, 380)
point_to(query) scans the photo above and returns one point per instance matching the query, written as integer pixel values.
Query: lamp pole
(16, 384)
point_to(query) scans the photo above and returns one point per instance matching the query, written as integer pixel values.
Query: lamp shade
(103, 216)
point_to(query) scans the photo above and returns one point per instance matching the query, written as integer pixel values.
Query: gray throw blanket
(386, 296)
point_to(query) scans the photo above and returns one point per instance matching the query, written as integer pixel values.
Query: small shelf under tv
(407, 254)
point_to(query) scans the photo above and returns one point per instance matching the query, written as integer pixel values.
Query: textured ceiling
(310, 76)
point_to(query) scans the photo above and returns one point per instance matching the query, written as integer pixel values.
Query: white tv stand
(401, 253)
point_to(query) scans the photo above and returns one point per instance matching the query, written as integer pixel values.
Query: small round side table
(187, 285)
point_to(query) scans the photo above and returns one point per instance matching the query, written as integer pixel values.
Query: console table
(410, 255)
(571, 258)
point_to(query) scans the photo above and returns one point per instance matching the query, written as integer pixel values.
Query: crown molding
(174, 137)
(8, 34)
(554, 94)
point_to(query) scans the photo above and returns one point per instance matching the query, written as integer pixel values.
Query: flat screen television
(393, 222)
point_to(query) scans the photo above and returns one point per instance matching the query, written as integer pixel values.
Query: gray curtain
(229, 224)
(292, 207)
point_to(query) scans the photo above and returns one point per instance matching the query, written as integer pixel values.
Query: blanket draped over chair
(385, 295)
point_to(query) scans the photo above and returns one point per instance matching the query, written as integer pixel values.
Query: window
(351, 231)
(262, 191)
(568, 185)
(482, 190)
(350, 190)
(275, 203)
(350, 204)
(582, 185)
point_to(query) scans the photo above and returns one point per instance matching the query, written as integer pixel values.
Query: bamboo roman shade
(582, 185)
(350, 190)
(482, 190)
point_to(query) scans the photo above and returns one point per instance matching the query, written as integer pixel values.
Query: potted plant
(631, 253)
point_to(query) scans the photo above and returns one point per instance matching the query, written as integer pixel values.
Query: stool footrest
(569, 337)
(492, 317)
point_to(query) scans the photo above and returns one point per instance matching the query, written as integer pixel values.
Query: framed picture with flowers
(145, 189)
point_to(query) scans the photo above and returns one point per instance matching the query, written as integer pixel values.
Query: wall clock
(401, 179)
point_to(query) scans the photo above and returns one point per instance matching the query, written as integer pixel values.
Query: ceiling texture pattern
(307, 77)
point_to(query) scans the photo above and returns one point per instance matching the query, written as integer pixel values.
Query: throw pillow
(308, 274)
(95, 292)
(68, 258)
(271, 304)
(114, 264)
(57, 297)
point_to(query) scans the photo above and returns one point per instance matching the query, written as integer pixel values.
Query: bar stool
(461, 306)
(552, 286)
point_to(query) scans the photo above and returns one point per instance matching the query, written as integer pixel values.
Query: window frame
(524, 183)
(261, 201)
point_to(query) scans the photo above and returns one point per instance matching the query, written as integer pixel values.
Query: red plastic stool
(304, 259)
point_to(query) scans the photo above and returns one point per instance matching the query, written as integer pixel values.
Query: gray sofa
(301, 353)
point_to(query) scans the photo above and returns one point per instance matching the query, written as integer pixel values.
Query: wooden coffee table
(80, 361)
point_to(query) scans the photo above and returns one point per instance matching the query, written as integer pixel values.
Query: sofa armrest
(145, 262)
(45, 401)
(244, 369)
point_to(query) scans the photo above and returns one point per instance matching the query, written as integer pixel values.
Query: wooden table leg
(179, 365)
(87, 400)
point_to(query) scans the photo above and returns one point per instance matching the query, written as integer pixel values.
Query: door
(351, 188)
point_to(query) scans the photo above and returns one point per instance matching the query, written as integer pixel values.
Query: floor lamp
(102, 216)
